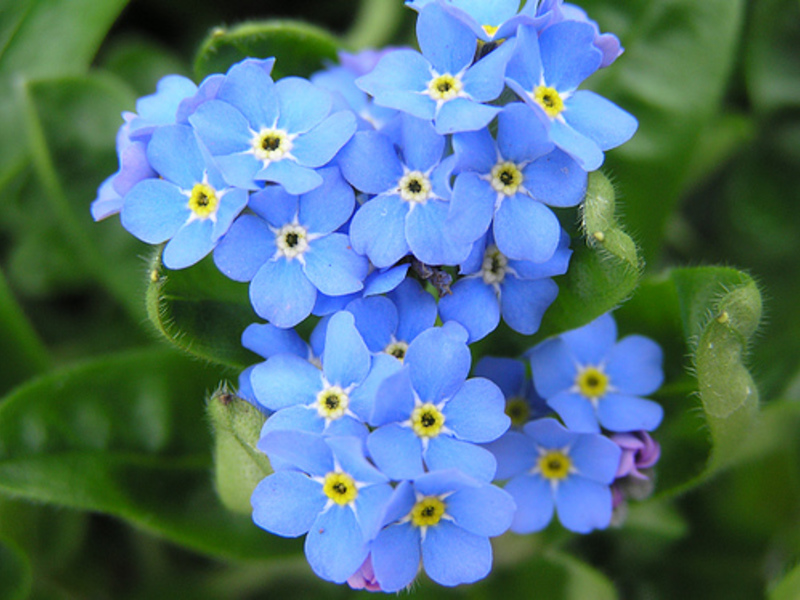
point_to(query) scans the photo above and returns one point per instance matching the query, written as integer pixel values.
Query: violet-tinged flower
(545, 71)
(639, 452)
(507, 184)
(364, 578)
(190, 204)
(591, 380)
(442, 84)
(330, 492)
(493, 285)
(429, 415)
(290, 249)
(522, 401)
(260, 130)
(409, 211)
(558, 470)
(442, 521)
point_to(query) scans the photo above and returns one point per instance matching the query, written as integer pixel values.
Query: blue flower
(336, 399)
(160, 108)
(190, 204)
(409, 211)
(442, 84)
(508, 182)
(379, 281)
(488, 21)
(493, 285)
(329, 491)
(558, 470)
(522, 401)
(591, 380)
(441, 521)
(545, 72)
(260, 130)
(290, 249)
(429, 414)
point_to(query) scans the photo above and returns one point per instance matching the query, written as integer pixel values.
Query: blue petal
(396, 556)
(190, 244)
(568, 54)
(580, 147)
(549, 433)
(475, 150)
(239, 169)
(394, 400)
(281, 293)
(484, 81)
(583, 505)
(413, 103)
(618, 412)
(576, 411)
(463, 114)
(376, 320)
(292, 418)
(438, 364)
(485, 510)
(326, 208)
(521, 135)
(349, 451)
(333, 267)
(399, 70)
(251, 90)
(445, 452)
(231, 203)
(416, 309)
(471, 207)
(524, 302)
(556, 265)
(476, 412)
(507, 373)
(602, 121)
(267, 340)
(347, 358)
(285, 380)
(160, 108)
(553, 367)
(174, 154)
(514, 452)
(378, 230)
(444, 40)
(489, 13)
(317, 147)
(334, 546)
(595, 457)
(371, 506)
(634, 365)
(591, 343)
(422, 146)
(452, 555)
(534, 500)
(556, 179)
(525, 229)
(154, 210)
(302, 450)
(369, 162)
(296, 178)
(248, 244)
(223, 129)
(287, 503)
(303, 105)
(362, 399)
(525, 65)
(427, 235)
(383, 281)
(396, 451)
(474, 305)
(275, 205)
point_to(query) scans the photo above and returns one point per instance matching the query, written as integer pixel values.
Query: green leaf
(201, 311)
(126, 436)
(72, 123)
(787, 588)
(15, 572)
(300, 48)
(672, 78)
(141, 63)
(238, 465)
(603, 273)
(44, 38)
(374, 24)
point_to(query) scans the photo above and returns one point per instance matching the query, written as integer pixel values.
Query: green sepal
(200, 311)
(238, 464)
(300, 48)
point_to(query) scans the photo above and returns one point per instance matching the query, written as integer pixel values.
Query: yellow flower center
(490, 30)
(549, 99)
(397, 349)
(506, 178)
(518, 411)
(444, 87)
(414, 186)
(554, 464)
(332, 402)
(271, 144)
(203, 200)
(494, 267)
(340, 487)
(592, 382)
(428, 511)
(427, 420)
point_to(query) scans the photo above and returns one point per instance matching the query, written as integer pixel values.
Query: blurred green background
(106, 467)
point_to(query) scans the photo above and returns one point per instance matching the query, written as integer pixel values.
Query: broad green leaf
(603, 272)
(141, 63)
(375, 23)
(23, 354)
(44, 38)
(200, 311)
(300, 48)
(672, 77)
(15, 572)
(72, 123)
(238, 464)
(126, 436)
(772, 64)
(788, 588)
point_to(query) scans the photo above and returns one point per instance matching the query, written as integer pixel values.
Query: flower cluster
(403, 199)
